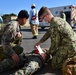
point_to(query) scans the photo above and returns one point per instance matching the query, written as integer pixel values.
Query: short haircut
(23, 14)
(42, 11)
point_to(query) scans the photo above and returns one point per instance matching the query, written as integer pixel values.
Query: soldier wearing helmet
(34, 21)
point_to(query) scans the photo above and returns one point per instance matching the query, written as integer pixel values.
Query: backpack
(69, 66)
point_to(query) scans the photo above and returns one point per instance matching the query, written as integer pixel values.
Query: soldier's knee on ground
(18, 49)
(6, 64)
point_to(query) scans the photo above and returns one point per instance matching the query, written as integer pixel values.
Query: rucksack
(69, 66)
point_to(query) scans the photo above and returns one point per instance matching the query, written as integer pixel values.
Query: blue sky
(14, 6)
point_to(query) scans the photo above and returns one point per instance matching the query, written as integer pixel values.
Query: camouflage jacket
(9, 36)
(62, 36)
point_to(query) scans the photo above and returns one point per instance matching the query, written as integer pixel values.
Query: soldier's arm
(46, 36)
(6, 40)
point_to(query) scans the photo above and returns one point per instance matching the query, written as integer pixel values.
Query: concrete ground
(28, 45)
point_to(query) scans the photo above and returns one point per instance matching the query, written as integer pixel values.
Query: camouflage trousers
(59, 58)
(18, 49)
(6, 62)
(32, 66)
(15, 45)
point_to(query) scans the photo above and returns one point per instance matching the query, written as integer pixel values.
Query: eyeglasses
(41, 19)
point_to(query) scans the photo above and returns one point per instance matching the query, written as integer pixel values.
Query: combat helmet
(33, 5)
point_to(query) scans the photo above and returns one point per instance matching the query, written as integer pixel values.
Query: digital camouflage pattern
(28, 70)
(10, 44)
(8, 64)
(17, 49)
(9, 38)
(34, 64)
(63, 41)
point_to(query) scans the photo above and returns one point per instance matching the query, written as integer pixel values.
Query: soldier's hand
(44, 56)
(19, 34)
(37, 44)
(15, 58)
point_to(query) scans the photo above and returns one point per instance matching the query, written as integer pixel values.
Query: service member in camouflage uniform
(63, 38)
(63, 16)
(35, 62)
(11, 41)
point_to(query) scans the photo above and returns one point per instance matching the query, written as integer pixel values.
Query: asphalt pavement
(28, 45)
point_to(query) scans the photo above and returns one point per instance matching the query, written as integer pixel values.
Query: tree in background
(7, 17)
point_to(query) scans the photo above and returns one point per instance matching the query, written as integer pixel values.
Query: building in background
(69, 10)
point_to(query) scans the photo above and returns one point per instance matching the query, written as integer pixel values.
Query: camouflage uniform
(63, 41)
(10, 42)
(35, 63)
